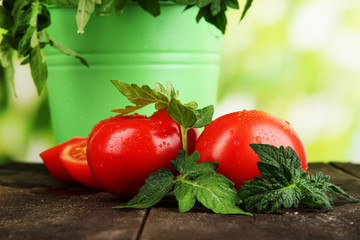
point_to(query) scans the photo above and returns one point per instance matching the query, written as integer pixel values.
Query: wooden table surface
(33, 205)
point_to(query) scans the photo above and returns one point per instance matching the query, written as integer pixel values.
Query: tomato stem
(184, 138)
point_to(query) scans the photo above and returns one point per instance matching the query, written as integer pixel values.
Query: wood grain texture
(33, 205)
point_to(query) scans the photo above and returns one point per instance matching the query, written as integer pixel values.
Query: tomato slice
(74, 159)
(53, 163)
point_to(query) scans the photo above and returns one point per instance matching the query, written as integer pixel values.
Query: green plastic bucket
(133, 47)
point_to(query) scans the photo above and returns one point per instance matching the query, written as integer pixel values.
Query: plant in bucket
(141, 42)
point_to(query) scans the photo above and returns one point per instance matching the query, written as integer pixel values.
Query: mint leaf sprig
(284, 184)
(187, 115)
(196, 182)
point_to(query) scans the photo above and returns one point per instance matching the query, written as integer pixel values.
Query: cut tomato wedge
(53, 163)
(74, 159)
(67, 162)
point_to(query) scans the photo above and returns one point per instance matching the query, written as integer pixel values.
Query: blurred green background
(299, 60)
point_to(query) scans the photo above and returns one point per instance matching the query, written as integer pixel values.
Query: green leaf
(314, 195)
(120, 6)
(203, 116)
(38, 68)
(43, 18)
(191, 105)
(25, 29)
(260, 195)
(140, 96)
(6, 53)
(233, 4)
(107, 6)
(185, 196)
(84, 12)
(336, 189)
(203, 3)
(6, 21)
(246, 8)
(200, 181)
(151, 6)
(219, 20)
(157, 185)
(217, 193)
(284, 184)
(6, 60)
(62, 3)
(185, 2)
(215, 7)
(66, 50)
(181, 114)
(277, 156)
(189, 168)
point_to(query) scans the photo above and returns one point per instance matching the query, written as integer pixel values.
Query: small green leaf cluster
(23, 24)
(187, 115)
(196, 182)
(284, 184)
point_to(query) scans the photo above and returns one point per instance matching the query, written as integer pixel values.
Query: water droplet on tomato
(288, 123)
(258, 139)
(231, 132)
(284, 127)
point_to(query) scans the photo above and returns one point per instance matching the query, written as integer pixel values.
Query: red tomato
(53, 163)
(67, 162)
(74, 160)
(124, 150)
(226, 140)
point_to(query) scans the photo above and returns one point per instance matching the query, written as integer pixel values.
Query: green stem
(184, 138)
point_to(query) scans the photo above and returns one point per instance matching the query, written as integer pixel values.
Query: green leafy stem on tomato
(187, 115)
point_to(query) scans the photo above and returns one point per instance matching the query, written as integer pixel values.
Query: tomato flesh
(74, 160)
(226, 140)
(124, 150)
(53, 163)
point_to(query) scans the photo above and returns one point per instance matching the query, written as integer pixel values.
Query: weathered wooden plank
(342, 222)
(350, 168)
(33, 205)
